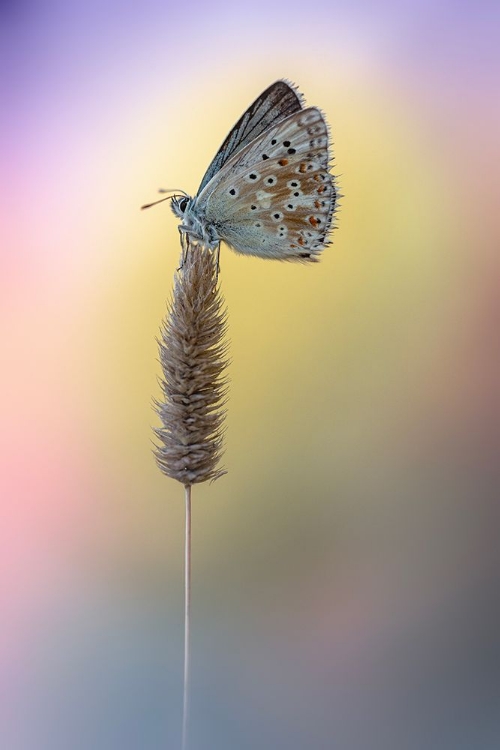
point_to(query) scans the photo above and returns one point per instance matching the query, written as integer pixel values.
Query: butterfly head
(179, 205)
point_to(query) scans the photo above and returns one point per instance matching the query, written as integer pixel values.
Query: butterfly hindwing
(274, 104)
(275, 197)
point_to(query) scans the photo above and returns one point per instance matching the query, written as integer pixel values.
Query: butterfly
(268, 191)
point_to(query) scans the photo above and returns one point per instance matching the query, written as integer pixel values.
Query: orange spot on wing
(300, 240)
(317, 204)
(302, 167)
(283, 162)
(313, 221)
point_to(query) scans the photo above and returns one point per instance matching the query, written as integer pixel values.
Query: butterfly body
(270, 195)
(194, 223)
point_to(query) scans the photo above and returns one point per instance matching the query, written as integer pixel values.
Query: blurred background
(346, 570)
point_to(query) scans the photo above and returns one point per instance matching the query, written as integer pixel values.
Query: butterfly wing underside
(275, 103)
(275, 197)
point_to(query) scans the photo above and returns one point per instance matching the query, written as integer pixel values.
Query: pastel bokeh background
(346, 569)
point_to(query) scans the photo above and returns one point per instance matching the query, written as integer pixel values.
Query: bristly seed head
(193, 356)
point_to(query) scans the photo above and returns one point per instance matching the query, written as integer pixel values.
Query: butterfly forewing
(277, 102)
(275, 198)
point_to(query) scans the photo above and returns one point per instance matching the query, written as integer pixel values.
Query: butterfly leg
(184, 240)
(181, 240)
(217, 262)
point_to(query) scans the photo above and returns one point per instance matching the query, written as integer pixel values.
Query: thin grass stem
(187, 616)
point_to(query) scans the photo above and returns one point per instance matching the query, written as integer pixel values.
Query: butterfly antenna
(169, 197)
(155, 203)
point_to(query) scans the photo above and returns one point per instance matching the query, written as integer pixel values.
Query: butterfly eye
(183, 204)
